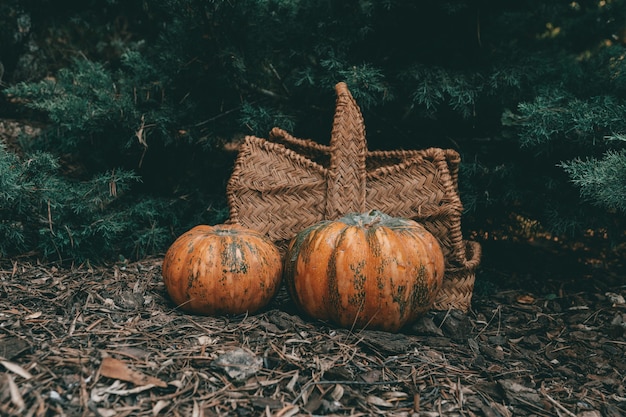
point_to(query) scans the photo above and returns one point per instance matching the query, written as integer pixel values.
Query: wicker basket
(282, 185)
(458, 282)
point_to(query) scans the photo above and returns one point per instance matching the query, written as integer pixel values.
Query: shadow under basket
(458, 282)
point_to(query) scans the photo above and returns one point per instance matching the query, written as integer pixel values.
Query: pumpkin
(223, 269)
(364, 270)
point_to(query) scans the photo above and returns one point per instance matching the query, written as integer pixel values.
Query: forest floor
(545, 337)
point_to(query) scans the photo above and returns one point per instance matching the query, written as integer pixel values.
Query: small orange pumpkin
(365, 270)
(223, 269)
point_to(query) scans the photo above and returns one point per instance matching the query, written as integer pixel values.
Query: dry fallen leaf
(160, 405)
(377, 401)
(526, 299)
(16, 397)
(118, 369)
(131, 391)
(615, 298)
(337, 392)
(16, 369)
(33, 316)
(105, 412)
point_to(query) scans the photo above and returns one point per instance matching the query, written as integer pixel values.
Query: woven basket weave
(282, 184)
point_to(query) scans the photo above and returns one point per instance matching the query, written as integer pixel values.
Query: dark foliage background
(137, 99)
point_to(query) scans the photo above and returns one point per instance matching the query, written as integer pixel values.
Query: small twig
(498, 312)
(220, 115)
(555, 402)
(445, 317)
(279, 78)
(50, 219)
(311, 383)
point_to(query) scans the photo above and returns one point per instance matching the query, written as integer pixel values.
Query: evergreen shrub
(144, 94)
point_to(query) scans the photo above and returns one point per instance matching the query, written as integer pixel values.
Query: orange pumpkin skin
(223, 269)
(365, 270)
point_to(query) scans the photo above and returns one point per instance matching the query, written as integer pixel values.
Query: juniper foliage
(64, 220)
(601, 181)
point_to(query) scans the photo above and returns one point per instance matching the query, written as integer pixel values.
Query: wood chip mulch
(107, 342)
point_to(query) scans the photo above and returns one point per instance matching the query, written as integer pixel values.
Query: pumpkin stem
(366, 220)
(373, 219)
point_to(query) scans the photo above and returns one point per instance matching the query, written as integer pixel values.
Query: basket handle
(348, 149)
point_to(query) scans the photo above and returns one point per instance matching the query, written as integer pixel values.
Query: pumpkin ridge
(374, 291)
(233, 259)
(392, 260)
(359, 281)
(356, 300)
(334, 305)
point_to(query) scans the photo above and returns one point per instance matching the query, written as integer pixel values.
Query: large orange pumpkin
(365, 270)
(223, 269)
